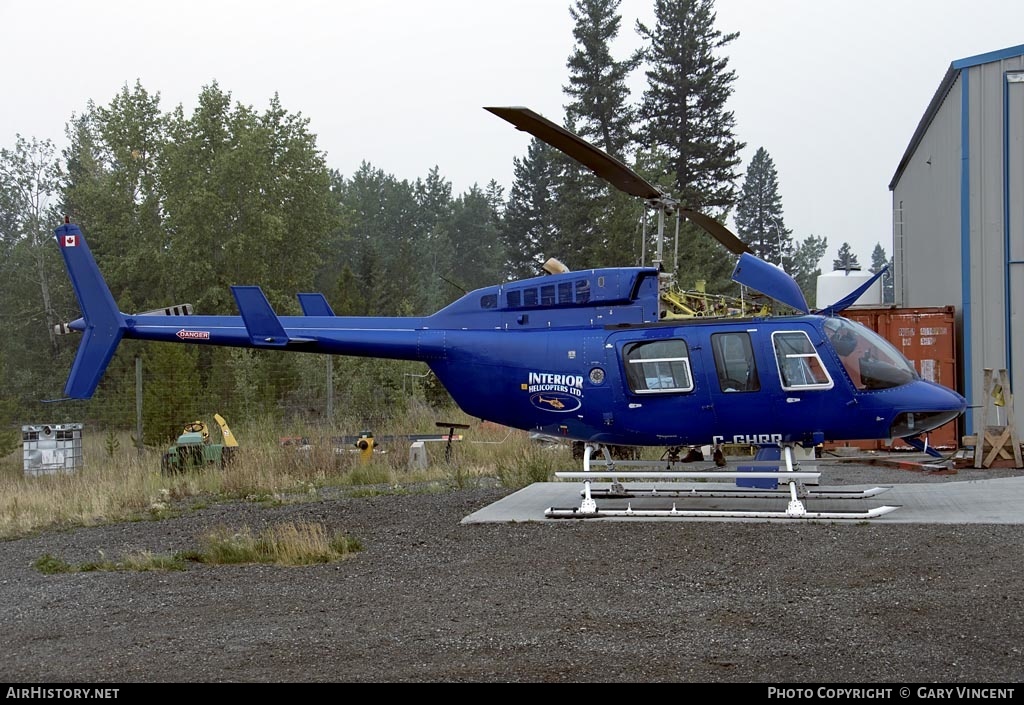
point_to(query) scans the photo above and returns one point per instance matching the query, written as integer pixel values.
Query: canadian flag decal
(70, 241)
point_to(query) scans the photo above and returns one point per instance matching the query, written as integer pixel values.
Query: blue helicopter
(589, 356)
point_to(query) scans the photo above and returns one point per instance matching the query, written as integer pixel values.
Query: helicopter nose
(933, 405)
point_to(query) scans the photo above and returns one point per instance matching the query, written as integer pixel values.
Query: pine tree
(597, 82)
(878, 258)
(378, 244)
(429, 245)
(804, 269)
(479, 253)
(878, 261)
(528, 229)
(495, 194)
(846, 259)
(759, 220)
(578, 206)
(685, 115)
(594, 224)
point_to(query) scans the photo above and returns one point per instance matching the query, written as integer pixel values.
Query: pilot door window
(799, 364)
(658, 367)
(734, 362)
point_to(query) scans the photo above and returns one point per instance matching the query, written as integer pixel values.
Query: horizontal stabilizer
(315, 305)
(769, 280)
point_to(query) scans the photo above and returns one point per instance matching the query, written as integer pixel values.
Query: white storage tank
(835, 285)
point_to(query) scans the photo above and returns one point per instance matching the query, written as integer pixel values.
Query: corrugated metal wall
(926, 219)
(958, 217)
(1015, 235)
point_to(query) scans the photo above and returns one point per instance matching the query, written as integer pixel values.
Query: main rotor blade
(609, 168)
(717, 231)
(600, 162)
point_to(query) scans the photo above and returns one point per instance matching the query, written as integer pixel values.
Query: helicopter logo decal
(555, 402)
(555, 392)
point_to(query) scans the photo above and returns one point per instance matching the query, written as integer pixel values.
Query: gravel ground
(431, 600)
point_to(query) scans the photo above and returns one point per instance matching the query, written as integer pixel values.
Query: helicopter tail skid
(796, 493)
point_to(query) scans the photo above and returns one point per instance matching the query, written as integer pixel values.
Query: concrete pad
(995, 501)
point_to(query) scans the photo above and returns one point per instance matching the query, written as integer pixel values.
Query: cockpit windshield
(871, 361)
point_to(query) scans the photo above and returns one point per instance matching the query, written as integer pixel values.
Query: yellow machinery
(225, 432)
(193, 448)
(697, 303)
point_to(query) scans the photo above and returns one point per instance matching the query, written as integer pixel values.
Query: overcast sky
(832, 89)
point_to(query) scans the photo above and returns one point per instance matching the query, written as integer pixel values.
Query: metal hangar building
(958, 217)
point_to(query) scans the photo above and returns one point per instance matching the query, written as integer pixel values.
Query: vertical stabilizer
(104, 323)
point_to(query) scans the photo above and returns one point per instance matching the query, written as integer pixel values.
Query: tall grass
(288, 544)
(284, 544)
(119, 483)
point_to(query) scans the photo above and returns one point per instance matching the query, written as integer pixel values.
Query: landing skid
(619, 491)
(796, 492)
(553, 513)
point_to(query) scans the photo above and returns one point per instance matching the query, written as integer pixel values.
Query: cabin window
(565, 293)
(658, 366)
(582, 291)
(799, 364)
(870, 360)
(529, 297)
(734, 362)
(547, 295)
(514, 299)
(489, 301)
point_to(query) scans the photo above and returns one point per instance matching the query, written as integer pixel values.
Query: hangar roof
(940, 94)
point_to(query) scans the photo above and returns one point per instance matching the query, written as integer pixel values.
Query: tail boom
(103, 325)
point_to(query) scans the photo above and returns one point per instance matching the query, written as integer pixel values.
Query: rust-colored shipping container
(926, 337)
